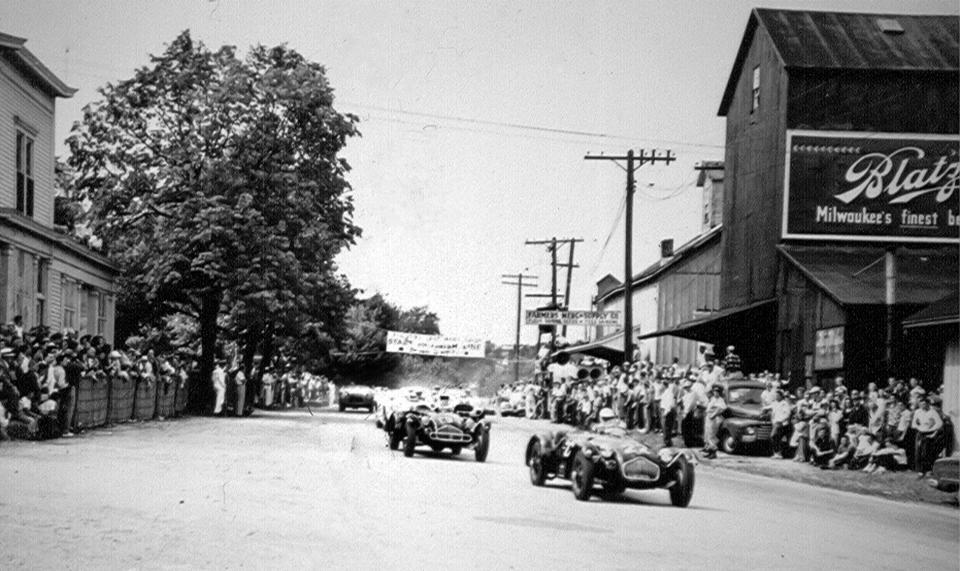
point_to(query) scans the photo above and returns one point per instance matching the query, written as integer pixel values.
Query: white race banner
(435, 345)
(557, 317)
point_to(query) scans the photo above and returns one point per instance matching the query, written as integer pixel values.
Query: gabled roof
(12, 47)
(660, 266)
(851, 41)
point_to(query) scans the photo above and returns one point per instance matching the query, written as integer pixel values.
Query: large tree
(215, 182)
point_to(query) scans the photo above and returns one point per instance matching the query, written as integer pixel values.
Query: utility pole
(633, 163)
(518, 278)
(552, 245)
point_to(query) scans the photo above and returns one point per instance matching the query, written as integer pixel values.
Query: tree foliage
(215, 182)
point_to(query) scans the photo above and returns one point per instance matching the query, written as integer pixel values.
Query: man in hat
(716, 406)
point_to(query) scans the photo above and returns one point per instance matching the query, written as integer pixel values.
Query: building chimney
(666, 248)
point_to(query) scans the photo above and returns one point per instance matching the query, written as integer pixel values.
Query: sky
(475, 118)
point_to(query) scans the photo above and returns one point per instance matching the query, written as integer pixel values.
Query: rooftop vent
(889, 26)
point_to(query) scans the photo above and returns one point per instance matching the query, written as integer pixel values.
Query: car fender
(735, 426)
(669, 456)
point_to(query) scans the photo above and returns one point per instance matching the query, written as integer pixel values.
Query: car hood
(625, 446)
(752, 412)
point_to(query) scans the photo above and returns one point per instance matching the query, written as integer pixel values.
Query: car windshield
(745, 395)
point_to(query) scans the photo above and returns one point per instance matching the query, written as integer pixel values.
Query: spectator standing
(780, 412)
(731, 362)
(241, 380)
(219, 380)
(927, 424)
(72, 372)
(716, 406)
(668, 410)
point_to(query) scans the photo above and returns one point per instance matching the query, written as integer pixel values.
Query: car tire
(396, 437)
(410, 444)
(535, 461)
(455, 450)
(683, 479)
(728, 443)
(482, 447)
(343, 407)
(581, 477)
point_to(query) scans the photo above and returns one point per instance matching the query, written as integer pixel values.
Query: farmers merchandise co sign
(556, 317)
(872, 186)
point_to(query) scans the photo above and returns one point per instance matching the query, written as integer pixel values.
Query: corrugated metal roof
(854, 41)
(857, 276)
(847, 40)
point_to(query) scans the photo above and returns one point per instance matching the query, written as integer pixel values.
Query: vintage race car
(456, 429)
(356, 396)
(614, 459)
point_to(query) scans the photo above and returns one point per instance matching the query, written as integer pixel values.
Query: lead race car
(612, 457)
(463, 426)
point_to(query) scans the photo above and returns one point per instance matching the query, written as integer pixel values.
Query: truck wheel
(581, 477)
(482, 446)
(535, 461)
(682, 489)
(411, 442)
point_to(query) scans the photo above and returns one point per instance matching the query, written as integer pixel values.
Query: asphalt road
(290, 490)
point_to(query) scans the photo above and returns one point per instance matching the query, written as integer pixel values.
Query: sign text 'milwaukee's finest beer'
(872, 186)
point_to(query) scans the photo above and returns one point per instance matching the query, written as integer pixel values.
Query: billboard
(556, 317)
(872, 186)
(829, 349)
(434, 345)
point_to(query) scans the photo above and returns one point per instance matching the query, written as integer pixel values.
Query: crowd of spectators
(897, 427)
(40, 373)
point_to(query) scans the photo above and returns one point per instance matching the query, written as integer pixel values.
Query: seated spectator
(845, 451)
(891, 457)
(821, 446)
(866, 446)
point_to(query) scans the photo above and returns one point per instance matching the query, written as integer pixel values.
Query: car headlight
(750, 431)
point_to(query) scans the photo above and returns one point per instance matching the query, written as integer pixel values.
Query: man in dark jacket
(73, 371)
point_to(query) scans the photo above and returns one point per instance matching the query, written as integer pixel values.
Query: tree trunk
(209, 311)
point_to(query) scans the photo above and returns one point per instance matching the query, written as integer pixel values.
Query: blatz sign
(872, 186)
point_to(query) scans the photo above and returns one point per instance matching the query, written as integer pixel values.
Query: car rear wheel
(535, 461)
(482, 446)
(581, 477)
(411, 442)
(682, 489)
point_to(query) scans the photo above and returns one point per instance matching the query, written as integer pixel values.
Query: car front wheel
(581, 477)
(729, 443)
(396, 437)
(482, 446)
(682, 489)
(535, 461)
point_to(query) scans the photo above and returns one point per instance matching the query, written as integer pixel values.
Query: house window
(102, 314)
(756, 89)
(24, 174)
(68, 295)
(41, 289)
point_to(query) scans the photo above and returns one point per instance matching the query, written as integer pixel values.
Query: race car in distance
(356, 396)
(613, 458)
(456, 429)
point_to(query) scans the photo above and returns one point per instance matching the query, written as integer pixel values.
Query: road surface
(290, 490)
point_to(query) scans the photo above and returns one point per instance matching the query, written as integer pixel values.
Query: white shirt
(219, 378)
(927, 421)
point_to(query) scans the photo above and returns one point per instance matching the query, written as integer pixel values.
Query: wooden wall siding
(18, 98)
(904, 102)
(690, 285)
(753, 180)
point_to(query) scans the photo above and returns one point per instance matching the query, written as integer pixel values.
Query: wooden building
(840, 191)
(46, 277)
